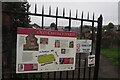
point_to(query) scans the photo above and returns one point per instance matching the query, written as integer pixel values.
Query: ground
(107, 69)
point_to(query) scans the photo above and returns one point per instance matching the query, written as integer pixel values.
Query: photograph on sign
(83, 46)
(91, 60)
(45, 50)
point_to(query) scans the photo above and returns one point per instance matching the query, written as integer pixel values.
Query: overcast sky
(109, 10)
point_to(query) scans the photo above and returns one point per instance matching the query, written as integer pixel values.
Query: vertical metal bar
(80, 54)
(88, 16)
(2, 68)
(70, 21)
(63, 12)
(35, 8)
(81, 26)
(67, 75)
(42, 27)
(10, 57)
(84, 73)
(28, 75)
(56, 18)
(79, 62)
(90, 52)
(73, 75)
(54, 75)
(49, 10)
(42, 17)
(69, 30)
(48, 76)
(93, 32)
(98, 45)
(92, 45)
(76, 14)
(41, 77)
(13, 57)
(60, 75)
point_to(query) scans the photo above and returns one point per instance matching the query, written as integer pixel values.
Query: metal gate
(82, 71)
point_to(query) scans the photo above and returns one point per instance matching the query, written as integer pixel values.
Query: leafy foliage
(109, 27)
(110, 36)
(18, 20)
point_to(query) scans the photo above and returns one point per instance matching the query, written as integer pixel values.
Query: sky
(108, 9)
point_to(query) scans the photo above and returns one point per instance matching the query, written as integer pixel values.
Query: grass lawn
(111, 54)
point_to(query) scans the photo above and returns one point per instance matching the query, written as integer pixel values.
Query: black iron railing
(81, 71)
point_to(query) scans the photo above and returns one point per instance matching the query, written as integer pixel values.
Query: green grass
(111, 54)
(46, 58)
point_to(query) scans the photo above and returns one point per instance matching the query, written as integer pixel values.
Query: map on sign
(83, 46)
(45, 50)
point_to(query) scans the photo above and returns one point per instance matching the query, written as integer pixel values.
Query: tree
(109, 36)
(53, 26)
(109, 27)
(9, 24)
(18, 20)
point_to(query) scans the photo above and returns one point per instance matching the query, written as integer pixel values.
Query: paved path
(107, 70)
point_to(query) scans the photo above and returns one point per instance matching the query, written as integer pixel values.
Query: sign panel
(91, 60)
(83, 46)
(45, 50)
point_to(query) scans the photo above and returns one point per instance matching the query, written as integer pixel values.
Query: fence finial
(93, 15)
(101, 16)
(49, 10)
(43, 9)
(35, 8)
(63, 12)
(70, 13)
(82, 15)
(88, 16)
(76, 13)
(56, 11)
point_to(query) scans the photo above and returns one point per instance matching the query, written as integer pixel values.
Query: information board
(45, 50)
(83, 46)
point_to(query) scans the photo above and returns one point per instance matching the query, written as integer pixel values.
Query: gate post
(98, 46)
